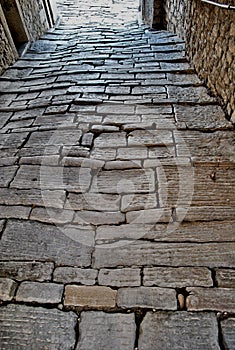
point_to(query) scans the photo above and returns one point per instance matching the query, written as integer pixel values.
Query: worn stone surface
(32, 271)
(220, 299)
(119, 277)
(116, 185)
(90, 297)
(169, 254)
(75, 274)
(225, 278)
(7, 289)
(194, 330)
(44, 293)
(102, 331)
(228, 333)
(56, 327)
(144, 297)
(44, 242)
(177, 277)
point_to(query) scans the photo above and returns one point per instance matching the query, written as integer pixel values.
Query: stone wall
(35, 17)
(6, 54)
(209, 32)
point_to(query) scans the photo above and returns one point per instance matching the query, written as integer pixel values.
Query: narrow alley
(116, 192)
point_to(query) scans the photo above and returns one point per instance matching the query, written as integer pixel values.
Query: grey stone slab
(31, 271)
(228, 327)
(7, 289)
(178, 277)
(75, 274)
(93, 201)
(4, 117)
(21, 324)
(55, 137)
(150, 138)
(138, 202)
(149, 216)
(131, 153)
(12, 140)
(214, 299)
(7, 175)
(142, 253)
(111, 140)
(210, 117)
(43, 293)
(189, 94)
(49, 198)
(147, 297)
(124, 181)
(103, 331)
(225, 278)
(181, 79)
(178, 331)
(126, 277)
(108, 109)
(98, 218)
(52, 178)
(51, 215)
(46, 242)
(119, 120)
(15, 211)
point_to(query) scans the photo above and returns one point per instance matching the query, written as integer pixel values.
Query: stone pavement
(117, 192)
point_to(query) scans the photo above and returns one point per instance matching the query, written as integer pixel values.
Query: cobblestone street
(116, 192)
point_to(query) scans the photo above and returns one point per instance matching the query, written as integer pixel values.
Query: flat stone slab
(31, 271)
(102, 331)
(43, 293)
(125, 181)
(44, 242)
(178, 277)
(127, 253)
(20, 327)
(210, 117)
(89, 297)
(144, 297)
(214, 299)
(7, 289)
(126, 277)
(228, 332)
(179, 330)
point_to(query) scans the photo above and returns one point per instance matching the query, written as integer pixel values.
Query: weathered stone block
(125, 181)
(102, 331)
(149, 216)
(20, 327)
(46, 242)
(228, 327)
(126, 277)
(144, 297)
(138, 202)
(215, 299)
(225, 278)
(139, 253)
(74, 274)
(20, 271)
(7, 289)
(115, 139)
(177, 277)
(43, 293)
(195, 331)
(150, 138)
(90, 297)
(98, 218)
(93, 201)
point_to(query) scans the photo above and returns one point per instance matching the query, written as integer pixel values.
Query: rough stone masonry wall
(210, 41)
(6, 54)
(35, 17)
